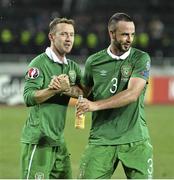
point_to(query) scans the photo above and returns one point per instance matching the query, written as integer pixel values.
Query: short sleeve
(142, 67)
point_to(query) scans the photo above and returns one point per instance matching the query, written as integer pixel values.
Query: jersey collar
(122, 57)
(50, 53)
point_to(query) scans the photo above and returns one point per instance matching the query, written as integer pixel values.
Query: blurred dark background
(24, 24)
(24, 34)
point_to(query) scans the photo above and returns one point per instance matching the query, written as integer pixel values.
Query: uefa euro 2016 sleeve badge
(72, 77)
(33, 73)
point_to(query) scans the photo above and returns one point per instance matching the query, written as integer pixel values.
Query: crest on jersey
(33, 73)
(126, 70)
(39, 175)
(72, 77)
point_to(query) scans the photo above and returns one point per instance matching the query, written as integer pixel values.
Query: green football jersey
(46, 121)
(108, 76)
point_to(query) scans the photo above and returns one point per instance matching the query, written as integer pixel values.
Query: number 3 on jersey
(113, 88)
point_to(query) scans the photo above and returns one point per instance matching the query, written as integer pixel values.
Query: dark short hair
(56, 21)
(119, 17)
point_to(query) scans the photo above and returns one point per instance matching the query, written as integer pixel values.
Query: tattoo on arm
(74, 91)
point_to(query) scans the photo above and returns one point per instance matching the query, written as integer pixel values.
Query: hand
(85, 106)
(60, 83)
(54, 83)
(64, 82)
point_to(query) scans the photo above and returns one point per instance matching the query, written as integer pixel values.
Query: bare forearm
(74, 91)
(44, 94)
(121, 99)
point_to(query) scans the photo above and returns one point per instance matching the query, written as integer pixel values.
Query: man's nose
(129, 38)
(68, 36)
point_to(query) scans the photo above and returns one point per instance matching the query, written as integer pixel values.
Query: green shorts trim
(101, 161)
(46, 162)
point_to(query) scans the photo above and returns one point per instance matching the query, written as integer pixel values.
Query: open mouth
(67, 45)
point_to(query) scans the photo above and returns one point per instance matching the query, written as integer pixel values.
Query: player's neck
(60, 56)
(114, 50)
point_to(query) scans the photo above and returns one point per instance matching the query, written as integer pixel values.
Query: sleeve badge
(33, 73)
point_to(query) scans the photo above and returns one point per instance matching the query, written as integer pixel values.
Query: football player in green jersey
(50, 78)
(116, 78)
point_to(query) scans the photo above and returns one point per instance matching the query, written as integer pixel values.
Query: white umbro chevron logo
(103, 72)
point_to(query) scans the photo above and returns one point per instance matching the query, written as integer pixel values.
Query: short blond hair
(56, 21)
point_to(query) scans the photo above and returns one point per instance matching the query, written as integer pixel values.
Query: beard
(121, 47)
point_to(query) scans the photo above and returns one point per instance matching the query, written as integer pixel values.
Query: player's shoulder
(139, 53)
(73, 63)
(97, 56)
(38, 60)
(140, 57)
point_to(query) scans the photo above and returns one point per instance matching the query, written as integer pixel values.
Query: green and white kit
(108, 75)
(46, 121)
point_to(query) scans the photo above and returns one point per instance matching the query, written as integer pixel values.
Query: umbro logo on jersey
(103, 72)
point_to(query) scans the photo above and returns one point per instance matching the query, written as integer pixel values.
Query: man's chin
(68, 50)
(126, 48)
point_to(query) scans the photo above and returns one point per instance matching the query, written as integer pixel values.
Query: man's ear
(50, 36)
(112, 34)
